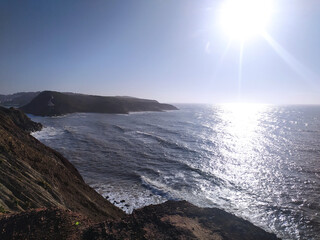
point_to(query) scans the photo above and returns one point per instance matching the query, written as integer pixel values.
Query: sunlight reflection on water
(255, 174)
(240, 140)
(241, 123)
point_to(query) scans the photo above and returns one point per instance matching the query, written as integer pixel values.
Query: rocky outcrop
(177, 220)
(20, 119)
(42, 196)
(170, 220)
(49, 103)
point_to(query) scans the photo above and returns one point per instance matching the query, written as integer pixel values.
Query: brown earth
(177, 220)
(170, 220)
(43, 223)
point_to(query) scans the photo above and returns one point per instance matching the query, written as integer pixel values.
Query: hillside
(49, 103)
(33, 175)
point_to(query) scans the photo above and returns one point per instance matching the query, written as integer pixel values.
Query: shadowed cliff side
(33, 175)
(170, 220)
(49, 103)
(177, 220)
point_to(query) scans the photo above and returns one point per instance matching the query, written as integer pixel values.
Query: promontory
(50, 103)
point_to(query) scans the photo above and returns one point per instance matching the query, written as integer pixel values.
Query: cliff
(33, 175)
(42, 196)
(49, 103)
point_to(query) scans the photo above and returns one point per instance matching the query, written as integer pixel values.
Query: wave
(47, 133)
(119, 128)
(159, 188)
(123, 197)
(161, 129)
(166, 143)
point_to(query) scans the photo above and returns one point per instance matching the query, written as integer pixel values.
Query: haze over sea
(259, 162)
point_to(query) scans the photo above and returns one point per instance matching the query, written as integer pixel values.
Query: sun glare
(242, 19)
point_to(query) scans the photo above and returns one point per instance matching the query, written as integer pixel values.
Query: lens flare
(242, 19)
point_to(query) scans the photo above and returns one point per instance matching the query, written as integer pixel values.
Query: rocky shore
(42, 196)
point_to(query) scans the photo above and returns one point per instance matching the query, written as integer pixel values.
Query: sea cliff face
(50, 103)
(33, 175)
(42, 196)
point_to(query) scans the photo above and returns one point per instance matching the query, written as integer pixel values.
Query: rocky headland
(17, 99)
(50, 103)
(42, 196)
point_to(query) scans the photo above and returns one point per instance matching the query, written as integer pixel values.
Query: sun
(242, 19)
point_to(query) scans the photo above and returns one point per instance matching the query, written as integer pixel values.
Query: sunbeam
(240, 70)
(222, 58)
(292, 62)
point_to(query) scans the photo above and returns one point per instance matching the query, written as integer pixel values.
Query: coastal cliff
(42, 196)
(50, 103)
(33, 175)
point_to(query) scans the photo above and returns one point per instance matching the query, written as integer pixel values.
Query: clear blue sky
(169, 50)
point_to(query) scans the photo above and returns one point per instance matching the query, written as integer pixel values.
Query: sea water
(259, 162)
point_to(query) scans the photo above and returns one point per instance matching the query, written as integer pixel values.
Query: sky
(173, 51)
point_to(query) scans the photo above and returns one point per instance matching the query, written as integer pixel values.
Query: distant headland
(51, 103)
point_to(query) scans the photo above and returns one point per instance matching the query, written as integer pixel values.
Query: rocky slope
(170, 220)
(42, 196)
(49, 103)
(33, 175)
(177, 220)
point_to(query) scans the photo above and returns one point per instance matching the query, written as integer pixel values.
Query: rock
(170, 220)
(177, 220)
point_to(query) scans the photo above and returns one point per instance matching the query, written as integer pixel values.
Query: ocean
(259, 162)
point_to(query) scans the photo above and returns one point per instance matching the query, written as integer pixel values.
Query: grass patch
(2, 210)
(44, 184)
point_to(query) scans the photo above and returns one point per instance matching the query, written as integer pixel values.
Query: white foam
(128, 198)
(47, 133)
